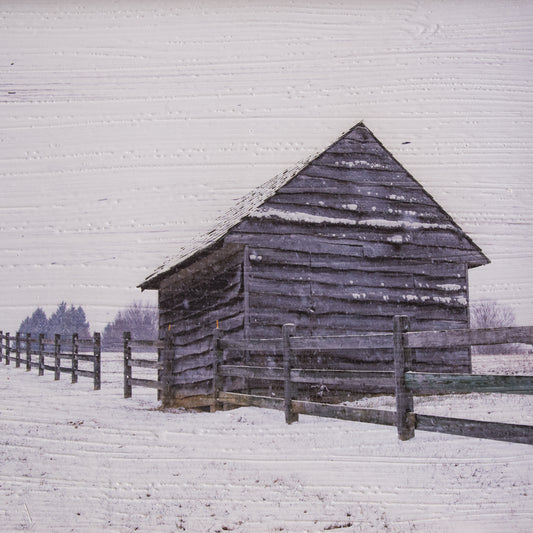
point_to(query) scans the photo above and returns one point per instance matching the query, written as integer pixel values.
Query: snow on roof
(244, 207)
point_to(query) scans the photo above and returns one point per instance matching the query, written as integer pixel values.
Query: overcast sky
(127, 127)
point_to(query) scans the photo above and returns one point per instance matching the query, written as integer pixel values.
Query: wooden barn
(338, 245)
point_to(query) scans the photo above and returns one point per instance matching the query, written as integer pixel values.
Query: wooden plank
(249, 400)
(140, 343)
(148, 383)
(85, 373)
(404, 398)
(343, 342)
(289, 390)
(351, 378)
(268, 346)
(371, 416)
(252, 372)
(145, 363)
(469, 337)
(440, 383)
(475, 428)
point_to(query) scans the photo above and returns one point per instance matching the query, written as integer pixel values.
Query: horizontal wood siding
(191, 307)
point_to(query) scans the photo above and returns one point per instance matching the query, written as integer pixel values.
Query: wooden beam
(475, 428)
(423, 382)
(404, 398)
(248, 400)
(468, 337)
(371, 416)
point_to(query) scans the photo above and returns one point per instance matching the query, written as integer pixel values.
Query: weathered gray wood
(418, 383)
(146, 363)
(75, 350)
(85, 373)
(165, 376)
(147, 383)
(266, 402)
(1, 345)
(267, 346)
(127, 366)
(468, 337)
(17, 350)
(288, 389)
(41, 354)
(218, 360)
(143, 343)
(28, 352)
(354, 379)
(371, 416)
(8, 349)
(252, 372)
(57, 358)
(97, 363)
(404, 399)
(343, 342)
(475, 428)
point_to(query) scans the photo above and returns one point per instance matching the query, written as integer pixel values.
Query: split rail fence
(57, 354)
(402, 379)
(163, 365)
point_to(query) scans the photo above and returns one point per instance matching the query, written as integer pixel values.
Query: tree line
(138, 318)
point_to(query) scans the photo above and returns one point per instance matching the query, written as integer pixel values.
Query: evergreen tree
(64, 321)
(35, 324)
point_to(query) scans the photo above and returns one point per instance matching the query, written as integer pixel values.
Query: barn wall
(192, 304)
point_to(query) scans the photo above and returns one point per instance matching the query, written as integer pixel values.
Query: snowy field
(72, 459)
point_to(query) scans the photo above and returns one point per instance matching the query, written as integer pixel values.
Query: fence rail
(51, 354)
(163, 365)
(402, 379)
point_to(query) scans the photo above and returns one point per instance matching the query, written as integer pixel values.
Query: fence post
(28, 352)
(287, 332)
(41, 354)
(75, 350)
(218, 359)
(57, 359)
(8, 349)
(405, 421)
(97, 361)
(168, 366)
(17, 349)
(127, 367)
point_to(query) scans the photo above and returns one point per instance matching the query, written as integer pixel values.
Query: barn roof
(252, 205)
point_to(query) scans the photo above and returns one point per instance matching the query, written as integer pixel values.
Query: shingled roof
(251, 203)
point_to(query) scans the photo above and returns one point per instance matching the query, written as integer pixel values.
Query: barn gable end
(340, 244)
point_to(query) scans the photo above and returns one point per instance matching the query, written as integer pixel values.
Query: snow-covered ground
(72, 459)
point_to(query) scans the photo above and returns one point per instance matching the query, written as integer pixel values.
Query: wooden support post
(75, 350)
(127, 366)
(17, 349)
(57, 357)
(405, 418)
(287, 332)
(168, 369)
(1, 345)
(41, 354)
(28, 352)
(8, 349)
(218, 360)
(97, 368)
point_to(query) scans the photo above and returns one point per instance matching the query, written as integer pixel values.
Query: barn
(339, 244)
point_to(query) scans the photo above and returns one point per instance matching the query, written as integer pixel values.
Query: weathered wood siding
(350, 242)
(191, 303)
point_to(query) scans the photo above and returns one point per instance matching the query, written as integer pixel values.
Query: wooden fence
(52, 354)
(163, 365)
(405, 382)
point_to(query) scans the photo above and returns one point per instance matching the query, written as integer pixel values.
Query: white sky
(126, 127)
